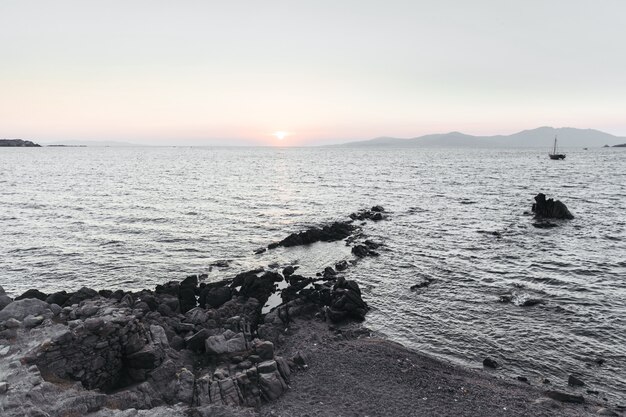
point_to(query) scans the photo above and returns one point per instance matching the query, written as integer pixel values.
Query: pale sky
(232, 72)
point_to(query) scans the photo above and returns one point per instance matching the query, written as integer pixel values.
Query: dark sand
(352, 374)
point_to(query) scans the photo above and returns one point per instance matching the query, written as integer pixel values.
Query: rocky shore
(191, 348)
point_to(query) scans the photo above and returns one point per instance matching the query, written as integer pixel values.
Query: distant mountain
(541, 137)
(18, 143)
(81, 143)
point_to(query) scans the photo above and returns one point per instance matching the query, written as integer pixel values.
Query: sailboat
(554, 154)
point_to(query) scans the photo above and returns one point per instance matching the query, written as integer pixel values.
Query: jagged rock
(257, 287)
(550, 209)
(346, 301)
(184, 386)
(227, 342)
(264, 349)
(197, 340)
(272, 385)
(32, 293)
(11, 323)
(22, 308)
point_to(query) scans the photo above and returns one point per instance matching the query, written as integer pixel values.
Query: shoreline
(191, 348)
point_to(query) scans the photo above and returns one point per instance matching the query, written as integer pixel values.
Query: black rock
(565, 397)
(288, 270)
(32, 293)
(190, 281)
(81, 295)
(58, 298)
(260, 250)
(550, 209)
(187, 299)
(329, 233)
(523, 379)
(360, 250)
(423, 282)
(214, 297)
(490, 363)
(377, 209)
(341, 266)
(574, 382)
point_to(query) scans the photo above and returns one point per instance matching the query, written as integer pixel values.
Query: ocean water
(134, 217)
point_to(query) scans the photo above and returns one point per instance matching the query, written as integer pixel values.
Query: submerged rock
(574, 381)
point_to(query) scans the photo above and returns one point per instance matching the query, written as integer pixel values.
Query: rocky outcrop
(550, 209)
(18, 143)
(374, 214)
(329, 233)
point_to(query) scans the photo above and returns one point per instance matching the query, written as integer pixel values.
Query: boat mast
(554, 151)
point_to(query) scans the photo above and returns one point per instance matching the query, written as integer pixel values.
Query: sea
(545, 303)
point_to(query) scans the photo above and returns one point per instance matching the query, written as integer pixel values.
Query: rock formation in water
(550, 209)
(186, 347)
(18, 143)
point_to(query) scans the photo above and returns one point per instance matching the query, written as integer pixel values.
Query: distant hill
(18, 143)
(541, 137)
(621, 145)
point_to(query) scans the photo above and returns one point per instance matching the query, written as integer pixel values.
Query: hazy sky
(223, 72)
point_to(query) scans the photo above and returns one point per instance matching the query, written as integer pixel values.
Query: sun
(280, 135)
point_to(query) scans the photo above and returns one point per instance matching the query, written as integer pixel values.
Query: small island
(623, 145)
(18, 143)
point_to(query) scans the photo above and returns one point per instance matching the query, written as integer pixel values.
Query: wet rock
(187, 299)
(346, 301)
(523, 379)
(22, 308)
(375, 214)
(341, 266)
(565, 397)
(550, 209)
(288, 270)
(490, 363)
(329, 273)
(261, 250)
(329, 233)
(32, 293)
(257, 287)
(360, 250)
(574, 381)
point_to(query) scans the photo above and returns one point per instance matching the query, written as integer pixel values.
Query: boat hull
(556, 156)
